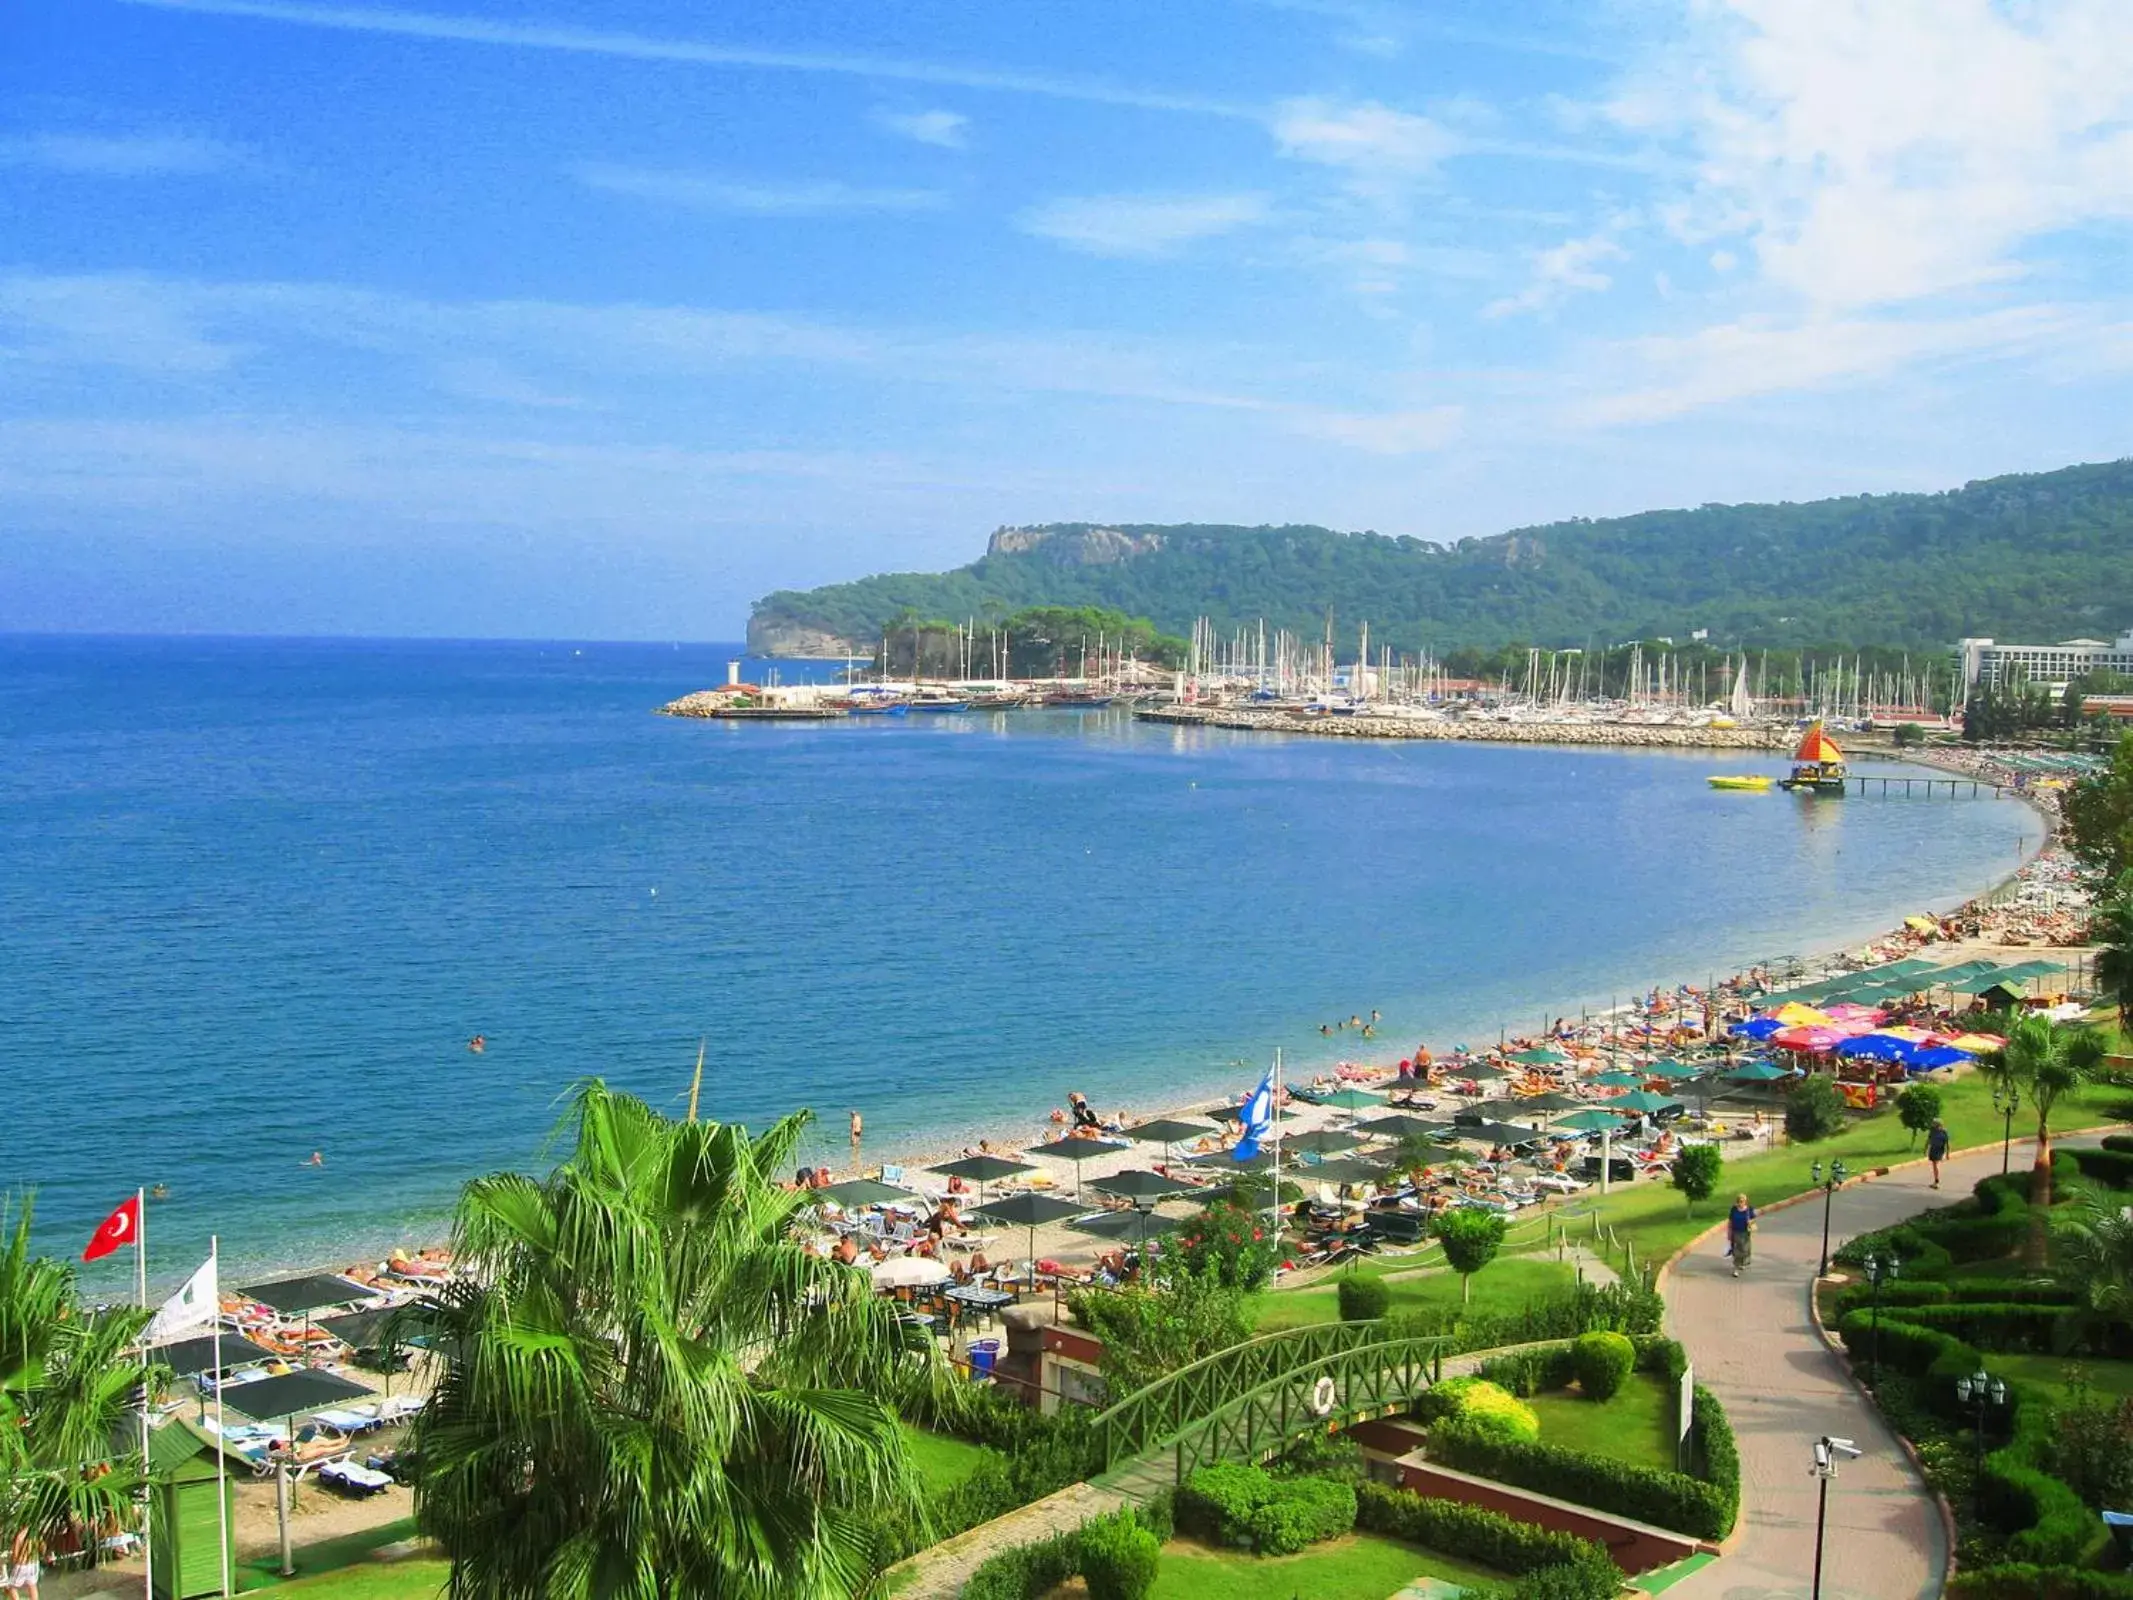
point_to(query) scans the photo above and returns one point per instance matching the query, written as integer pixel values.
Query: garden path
(1754, 1345)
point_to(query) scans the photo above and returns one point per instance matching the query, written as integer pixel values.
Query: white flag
(192, 1310)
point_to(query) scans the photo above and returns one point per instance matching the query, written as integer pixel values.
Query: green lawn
(1637, 1425)
(942, 1461)
(2106, 1379)
(319, 1563)
(375, 1580)
(1504, 1285)
(1358, 1566)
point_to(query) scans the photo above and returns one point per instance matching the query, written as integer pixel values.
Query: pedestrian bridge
(1247, 1402)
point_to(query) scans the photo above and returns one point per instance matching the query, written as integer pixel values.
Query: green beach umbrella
(1031, 1211)
(1590, 1121)
(1137, 1184)
(1673, 1069)
(1639, 1100)
(1078, 1151)
(1137, 1225)
(865, 1192)
(1400, 1125)
(982, 1170)
(1758, 1072)
(1543, 1057)
(1617, 1080)
(1341, 1169)
(1319, 1142)
(1353, 1100)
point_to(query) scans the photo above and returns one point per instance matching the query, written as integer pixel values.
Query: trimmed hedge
(2111, 1166)
(1669, 1499)
(1471, 1533)
(1118, 1558)
(1920, 1255)
(1479, 1404)
(2001, 1326)
(1531, 1371)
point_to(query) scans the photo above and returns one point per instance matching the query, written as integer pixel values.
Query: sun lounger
(348, 1421)
(353, 1479)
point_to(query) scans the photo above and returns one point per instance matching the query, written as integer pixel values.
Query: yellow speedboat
(1748, 781)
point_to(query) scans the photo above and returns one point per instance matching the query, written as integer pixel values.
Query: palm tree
(2096, 1252)
(2047, 1063)
(648, 1388)
(69, 1380)
(2111, 931)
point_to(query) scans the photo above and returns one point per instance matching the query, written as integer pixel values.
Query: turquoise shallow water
(255, 896)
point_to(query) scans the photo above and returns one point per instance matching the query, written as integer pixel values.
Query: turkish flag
(122, 1227)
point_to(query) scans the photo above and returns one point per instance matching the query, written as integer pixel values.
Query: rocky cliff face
(1073, 547)
(781, 636)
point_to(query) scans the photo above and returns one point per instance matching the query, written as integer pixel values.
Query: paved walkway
(941, 1572)
(1756, 1348)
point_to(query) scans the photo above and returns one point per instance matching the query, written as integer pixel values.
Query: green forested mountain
(2041, 556)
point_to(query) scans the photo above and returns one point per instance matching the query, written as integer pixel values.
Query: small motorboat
(1752, 783)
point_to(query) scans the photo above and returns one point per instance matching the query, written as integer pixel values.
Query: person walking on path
(1936, 1149)
(1740, 1225)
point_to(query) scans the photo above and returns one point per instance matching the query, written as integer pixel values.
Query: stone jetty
(1628, 735)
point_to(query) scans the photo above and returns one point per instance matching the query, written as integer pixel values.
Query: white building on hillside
(1988, 662)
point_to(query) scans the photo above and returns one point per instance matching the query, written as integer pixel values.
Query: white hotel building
(1988, 662)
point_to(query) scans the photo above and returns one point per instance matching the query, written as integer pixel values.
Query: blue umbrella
(1756, 1027)
(1939, 1056)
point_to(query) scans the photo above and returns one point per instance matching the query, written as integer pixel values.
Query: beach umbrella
(1498, 1133)
(1933, 1057)
(855, 1193)
(1138, 1224)
(1226, 1160)
(1136, 1184)
(1541, 1105)
(1319, 1142)
(1617, 1080)
(981, 1170)
(1673, 1069)
(1876, 1047)
(1400, 1125)
(1169, 1132)
(1077, 1151)
(1758, 1072)
(1478, 1073)
(1339, 1169)
(1640, 1100)
(1591, 1121)
(1794, 1015)
(1031, 1211)
(1812, 1040)
(907, 1272)
(1350, 1099)
(1978, 1044)
(1756, 1027)
(1543, 1057)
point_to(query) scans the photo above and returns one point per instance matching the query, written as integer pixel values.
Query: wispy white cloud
(1142, 226)
(1380, 152)
(1385, 433)
(1572, 267)
(950, 130)
(704, 192)
(98, 155)
(568, 38)
(1754, 357)
(130, 320)
(1881, 152)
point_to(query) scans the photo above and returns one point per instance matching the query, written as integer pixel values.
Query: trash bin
(983, 1353)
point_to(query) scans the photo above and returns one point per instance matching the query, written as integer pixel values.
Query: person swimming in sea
(478, 1044)
(315, 1160)
(160, 1192)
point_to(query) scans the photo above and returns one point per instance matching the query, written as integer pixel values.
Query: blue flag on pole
(1257, 1120)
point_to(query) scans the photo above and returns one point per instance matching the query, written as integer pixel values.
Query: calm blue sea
(255, 896)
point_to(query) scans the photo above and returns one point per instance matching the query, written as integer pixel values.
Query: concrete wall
(1635, 1546)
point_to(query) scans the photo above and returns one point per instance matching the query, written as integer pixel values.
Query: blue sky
(577, 319)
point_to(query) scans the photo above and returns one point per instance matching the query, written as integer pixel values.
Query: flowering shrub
(1226, 1245)
(1487, 1407)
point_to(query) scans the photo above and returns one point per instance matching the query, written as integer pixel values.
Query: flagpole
(1276, 1169)
(222, 1477)
(140, 1260)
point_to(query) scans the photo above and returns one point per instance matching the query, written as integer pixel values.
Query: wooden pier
(1930, 788)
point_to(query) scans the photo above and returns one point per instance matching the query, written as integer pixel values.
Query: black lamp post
(1879, 1269)
(2006, 1100)
(1982, 1392)
(1837, 1176)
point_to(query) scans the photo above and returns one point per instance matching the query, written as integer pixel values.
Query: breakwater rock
(1627, 735)
(703, 703)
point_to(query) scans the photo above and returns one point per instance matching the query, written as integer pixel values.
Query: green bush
(1696, 1171)
(1217, 1502)
(1481, 1405)
(1921, 1257)
(1917, 1108)
(1604, 1362)
(2120, 1142)
(1324, 1455)
(1814, 1110)
(1530, 1371)
(1363, 1299)
(1024, 1571)
(1591, 1577)
(2112, 1168)
(1119, 1558)
(1670, 1499)
(1302, 1511)
(2025, 1581)
(1711, 1437)
(1990, 1327)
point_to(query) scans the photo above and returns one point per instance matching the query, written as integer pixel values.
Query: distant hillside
(2041, 556)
